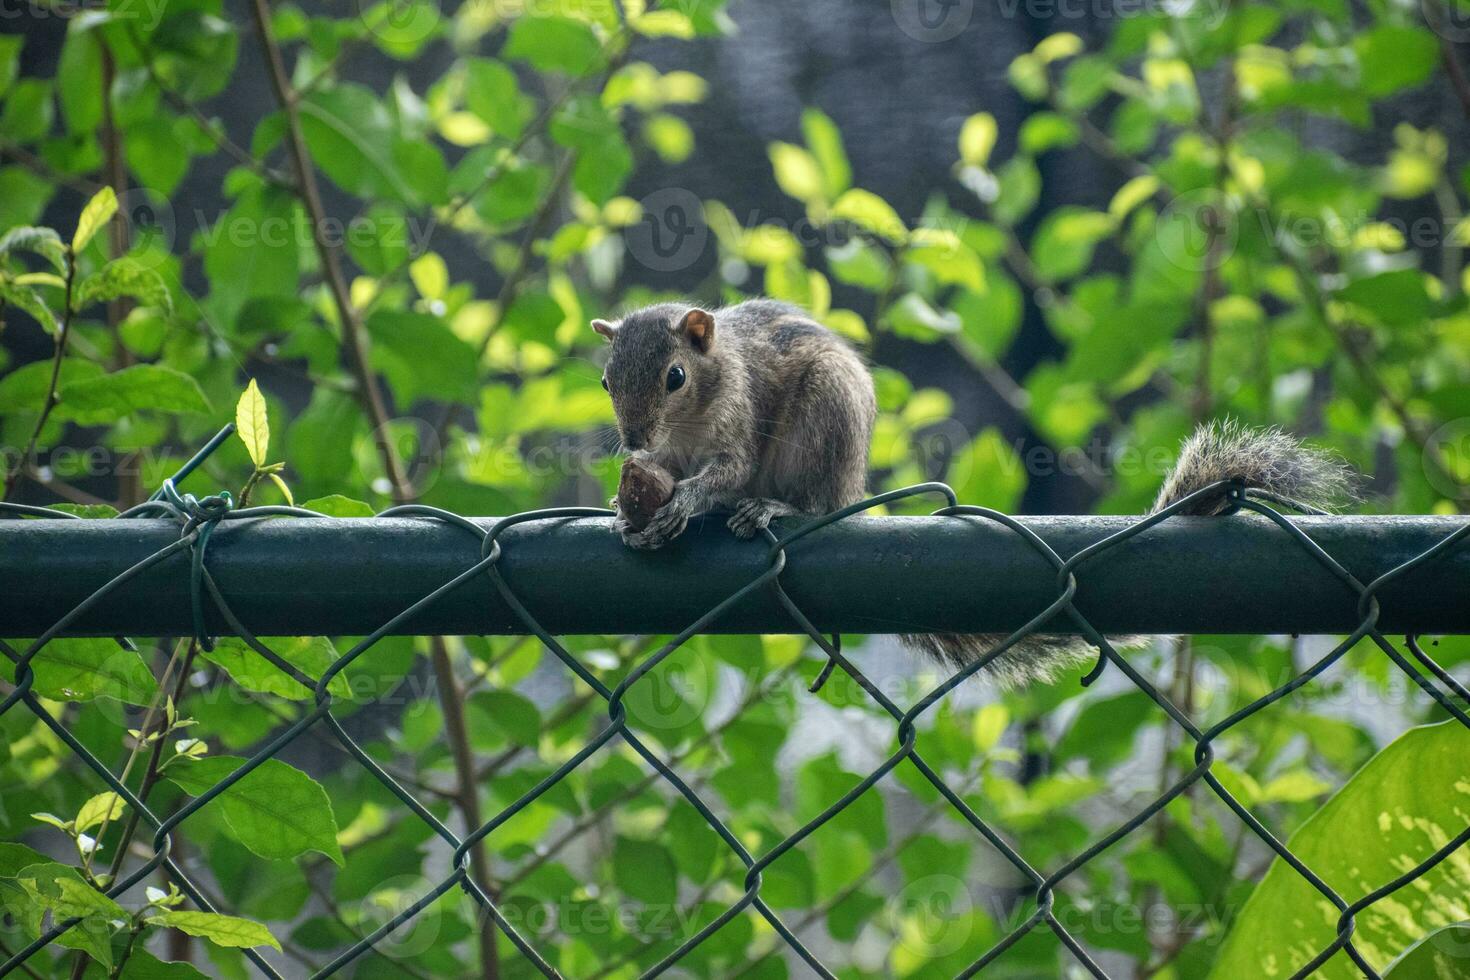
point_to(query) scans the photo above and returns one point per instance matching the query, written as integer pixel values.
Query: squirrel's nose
(635, 439)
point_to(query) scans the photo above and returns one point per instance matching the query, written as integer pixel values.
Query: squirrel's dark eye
(604, 383)
(676, 378)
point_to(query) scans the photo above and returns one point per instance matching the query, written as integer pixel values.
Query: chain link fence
(198, 518)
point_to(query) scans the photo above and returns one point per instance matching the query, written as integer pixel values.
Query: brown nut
(642, 490)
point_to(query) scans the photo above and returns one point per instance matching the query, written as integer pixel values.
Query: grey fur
(776, 419)
(1261, 459)
(773, 419)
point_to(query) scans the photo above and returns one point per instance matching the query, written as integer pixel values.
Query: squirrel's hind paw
(753, 514)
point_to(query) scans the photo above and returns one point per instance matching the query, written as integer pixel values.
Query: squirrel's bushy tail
(1267, 460)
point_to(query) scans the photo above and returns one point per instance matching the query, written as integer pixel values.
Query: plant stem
(451, 702)
(62, 335)
(129, 490)
(354, 336)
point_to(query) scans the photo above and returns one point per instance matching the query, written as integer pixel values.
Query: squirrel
(759, 410)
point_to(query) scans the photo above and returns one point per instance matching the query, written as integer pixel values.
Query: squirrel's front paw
(670, 521)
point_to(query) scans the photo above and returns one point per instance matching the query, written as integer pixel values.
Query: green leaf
(992, 315)
(1043, 131)
(222, 930)
(61, 892)
(1392, 57)
(977, 139)
(281, 486)
(352, 137)
(27, 299)
(79, 87)
(277, 811)
(988, 472)
(91, 512)
(124, 277)
(52, 820)
(252, 251)
(645, 871)
(1018, 187)
(553, 44)
(252, 425)
(158, 152)
(9, 60)
(858, 263)
(913, 317)
(492, 93)
(430, 275)
(24, 389)
(27, 115)
(1399, 298)
(422, 357)
(1104, 731)
(104, 807)
(117, 395)
(14, 856)
(990, 725)
(143, 965)
(83, 669)
(42, 241)
(511, 714)
(336, 505)
(870, 212)
(1065, 240)
(312, 655)
(1132, 194)
(1401, 807)
(1442, 955)
(797, 172)
(825, 142)
(98, 212)
(944, 254)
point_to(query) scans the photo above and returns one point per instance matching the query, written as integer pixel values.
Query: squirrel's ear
(608, 330)
(699, 327)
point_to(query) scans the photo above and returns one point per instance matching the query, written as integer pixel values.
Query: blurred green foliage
(1238, 268)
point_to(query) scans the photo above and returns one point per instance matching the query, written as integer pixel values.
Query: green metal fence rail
(182, 564)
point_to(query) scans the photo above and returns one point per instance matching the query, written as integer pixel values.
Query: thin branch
(354, 336)
(62, 489)
(62, 336)
(1456, 73)
(451, 701)
(41, 168)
